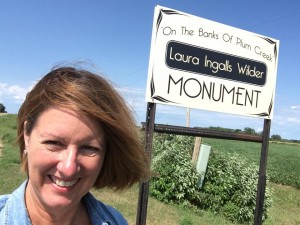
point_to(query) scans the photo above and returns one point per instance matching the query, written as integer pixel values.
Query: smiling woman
(75, 132)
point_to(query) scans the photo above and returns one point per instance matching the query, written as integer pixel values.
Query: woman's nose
(68, 164)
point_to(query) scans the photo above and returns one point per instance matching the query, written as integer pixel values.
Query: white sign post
(202, 64)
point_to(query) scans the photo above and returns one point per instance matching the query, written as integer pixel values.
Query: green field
(283, 167)
(283, 160)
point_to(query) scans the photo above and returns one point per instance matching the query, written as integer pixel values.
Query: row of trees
(2, 108)
(247, 130)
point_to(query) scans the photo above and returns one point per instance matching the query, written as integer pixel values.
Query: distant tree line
(247, 130)
(2, 108)
(295, 141)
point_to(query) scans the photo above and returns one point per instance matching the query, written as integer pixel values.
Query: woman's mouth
(63, 183)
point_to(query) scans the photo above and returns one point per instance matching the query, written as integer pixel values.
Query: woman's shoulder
(3, 200)
(100, 211)
(13, 204)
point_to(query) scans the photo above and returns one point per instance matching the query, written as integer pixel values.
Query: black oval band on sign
(195, 59)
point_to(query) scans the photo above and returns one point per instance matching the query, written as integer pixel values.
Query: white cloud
(2, 88)
(13, 93)
(293, 120)
(295, 107)
(134, 97)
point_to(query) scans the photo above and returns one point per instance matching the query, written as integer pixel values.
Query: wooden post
(197, 140)
(188, 112)
(196, 149)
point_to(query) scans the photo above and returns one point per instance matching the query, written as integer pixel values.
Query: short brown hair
(125, 161)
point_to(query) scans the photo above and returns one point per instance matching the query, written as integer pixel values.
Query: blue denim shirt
(13, 210)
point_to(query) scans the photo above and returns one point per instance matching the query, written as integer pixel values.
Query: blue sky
(113, 37)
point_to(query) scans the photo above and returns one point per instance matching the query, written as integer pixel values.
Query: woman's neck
(40, 215)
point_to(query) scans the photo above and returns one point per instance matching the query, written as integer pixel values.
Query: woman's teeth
(63, 183)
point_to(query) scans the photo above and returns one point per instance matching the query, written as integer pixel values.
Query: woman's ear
(26, 136)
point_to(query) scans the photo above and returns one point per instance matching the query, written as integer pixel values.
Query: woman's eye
(53, 145)
(89, 150)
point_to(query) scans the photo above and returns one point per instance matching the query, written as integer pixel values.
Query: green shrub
(230, 183)
(231, 186)
(178, 179)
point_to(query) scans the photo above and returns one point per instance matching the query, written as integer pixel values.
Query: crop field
(283, 159)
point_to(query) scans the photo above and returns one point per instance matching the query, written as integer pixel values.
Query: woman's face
(65, 155)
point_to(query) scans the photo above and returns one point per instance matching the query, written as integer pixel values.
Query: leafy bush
(178, 179)
(230, 183)
(230, 188)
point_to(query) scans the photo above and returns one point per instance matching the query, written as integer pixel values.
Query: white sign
(202, 64)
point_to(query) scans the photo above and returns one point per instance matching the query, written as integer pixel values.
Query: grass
(10, 175)
(286, 206)
(285, 209)
(286, 199)
(158, 212)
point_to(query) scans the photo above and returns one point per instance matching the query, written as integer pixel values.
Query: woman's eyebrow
(88, 140)
(51, 135)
